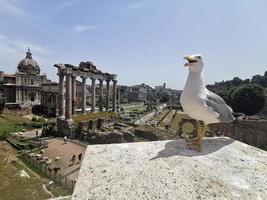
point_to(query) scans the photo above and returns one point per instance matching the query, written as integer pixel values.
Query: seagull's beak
(189, 59)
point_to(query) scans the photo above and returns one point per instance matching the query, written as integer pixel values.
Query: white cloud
(135, 5)
(11, 7)
(12, 51)
(82, 28)
(138, 4)
(23, 45)
(66, 4)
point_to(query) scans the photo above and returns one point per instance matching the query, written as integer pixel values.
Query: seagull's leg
(197, 143)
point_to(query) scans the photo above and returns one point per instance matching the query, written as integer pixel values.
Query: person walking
(79, 158)
(65, 139)
(72, 160)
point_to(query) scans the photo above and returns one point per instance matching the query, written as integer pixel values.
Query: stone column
(93, 95)
(68, 111)
(84, 95)
(74, 99)
(114, 95)
(61, 95)
(119, 99)
(107, 95)
(100, 95)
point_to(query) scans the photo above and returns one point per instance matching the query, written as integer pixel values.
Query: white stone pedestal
(226, 169)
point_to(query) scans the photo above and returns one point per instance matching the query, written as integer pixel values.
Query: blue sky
(140, 40)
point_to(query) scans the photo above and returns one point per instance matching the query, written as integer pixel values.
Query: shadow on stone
(179, 147)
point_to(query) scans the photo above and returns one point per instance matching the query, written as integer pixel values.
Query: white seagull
(200, 103)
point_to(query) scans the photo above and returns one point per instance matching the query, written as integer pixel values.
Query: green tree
(237, 81)
(164, 97)
(248, 99)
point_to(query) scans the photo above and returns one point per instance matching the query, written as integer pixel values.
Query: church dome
(28, 65)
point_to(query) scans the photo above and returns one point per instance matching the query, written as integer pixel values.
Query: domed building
(24, 87)
(28, 65)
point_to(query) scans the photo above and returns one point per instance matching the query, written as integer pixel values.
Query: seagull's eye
(199, 57)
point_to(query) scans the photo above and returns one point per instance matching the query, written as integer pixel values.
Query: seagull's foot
(196, 145)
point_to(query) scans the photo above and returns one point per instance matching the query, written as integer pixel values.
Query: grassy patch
(150, 133)
(135, 108)
(11, 123)
(13, 186)
(94, 116)
(56, 190)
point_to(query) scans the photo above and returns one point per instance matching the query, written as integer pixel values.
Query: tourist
(65, 139)
(79, 158)
(36, 133)
(73, 159)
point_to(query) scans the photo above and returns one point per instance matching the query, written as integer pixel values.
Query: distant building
(24, 86)
(160, 88)
(138, 93)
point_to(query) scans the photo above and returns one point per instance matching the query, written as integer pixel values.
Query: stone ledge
(226, 169)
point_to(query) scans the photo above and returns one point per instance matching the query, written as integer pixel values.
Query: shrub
(248, 99)
(37, 125)
(34, 119)
(37, 109)
(33, 124)
(41, 119)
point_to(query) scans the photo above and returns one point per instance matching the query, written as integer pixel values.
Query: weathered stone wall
(65, 128)
(252, 132)
(23, 111)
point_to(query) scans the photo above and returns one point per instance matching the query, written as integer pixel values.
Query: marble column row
(70, 99)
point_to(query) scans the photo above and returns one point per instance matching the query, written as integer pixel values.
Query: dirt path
(58, 148)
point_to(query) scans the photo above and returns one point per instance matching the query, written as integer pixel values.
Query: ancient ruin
(67, 100)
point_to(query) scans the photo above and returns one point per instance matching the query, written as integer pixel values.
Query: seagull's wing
(218, 105)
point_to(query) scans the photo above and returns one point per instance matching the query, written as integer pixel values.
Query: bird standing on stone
(201, 104)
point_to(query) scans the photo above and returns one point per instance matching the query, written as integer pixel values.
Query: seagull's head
(194, 62)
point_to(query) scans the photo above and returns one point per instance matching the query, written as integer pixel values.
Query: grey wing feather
(219, 105)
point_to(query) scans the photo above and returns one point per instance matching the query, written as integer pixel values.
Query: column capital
(68, 71)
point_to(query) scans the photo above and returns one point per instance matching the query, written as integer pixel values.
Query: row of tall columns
(100, 95)
(70, 99)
